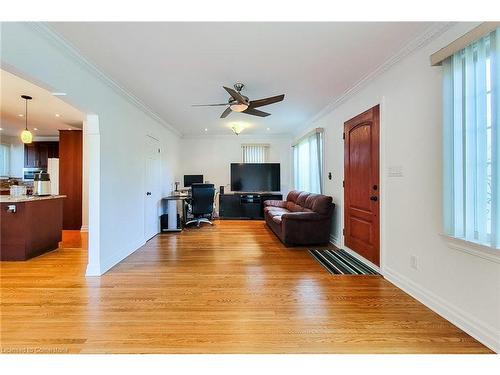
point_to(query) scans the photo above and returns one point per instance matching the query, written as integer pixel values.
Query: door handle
(373, 198)
(148, 193)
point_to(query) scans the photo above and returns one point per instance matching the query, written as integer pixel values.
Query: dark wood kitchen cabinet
(36, 154)
(70, 176)
(30, 226)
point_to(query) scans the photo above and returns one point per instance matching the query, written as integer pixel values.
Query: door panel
(30, 156)
(152, 181)
(361, 185)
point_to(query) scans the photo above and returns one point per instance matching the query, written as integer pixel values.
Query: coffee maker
(41, 183)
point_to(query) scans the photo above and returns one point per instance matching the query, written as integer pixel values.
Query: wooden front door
(361, 185)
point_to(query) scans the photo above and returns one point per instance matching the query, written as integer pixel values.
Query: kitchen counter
(31, 225)
(27, 198)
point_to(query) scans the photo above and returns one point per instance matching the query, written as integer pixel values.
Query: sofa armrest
(303, 216)
(275, 203)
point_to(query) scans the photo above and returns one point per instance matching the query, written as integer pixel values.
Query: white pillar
(92, 156)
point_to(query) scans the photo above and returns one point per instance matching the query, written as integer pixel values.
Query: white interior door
(152, 187)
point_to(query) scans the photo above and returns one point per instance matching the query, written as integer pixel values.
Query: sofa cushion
(277, 219)
(292, 196)
(322, 204)
(294, 207)
(273, 209)
(301, 199)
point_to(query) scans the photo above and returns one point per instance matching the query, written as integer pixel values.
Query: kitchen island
(30, 225)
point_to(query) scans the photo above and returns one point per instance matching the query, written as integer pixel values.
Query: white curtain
(257, 153)
(471, 146)
(308, 163)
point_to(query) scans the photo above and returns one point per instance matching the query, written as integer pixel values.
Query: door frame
(381, 102)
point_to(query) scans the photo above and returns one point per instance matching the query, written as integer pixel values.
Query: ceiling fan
(240, 103)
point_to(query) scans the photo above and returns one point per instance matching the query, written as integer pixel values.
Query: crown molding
(415, 44)
(287, 136)
(71, 52)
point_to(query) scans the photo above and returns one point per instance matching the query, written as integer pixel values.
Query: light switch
(395, 171)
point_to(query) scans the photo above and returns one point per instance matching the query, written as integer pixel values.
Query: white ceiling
(170, 66)
(42, 109)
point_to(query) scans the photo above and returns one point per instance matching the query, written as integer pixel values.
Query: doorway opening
(65, 145)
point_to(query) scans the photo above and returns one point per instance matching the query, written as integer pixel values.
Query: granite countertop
(27, 198)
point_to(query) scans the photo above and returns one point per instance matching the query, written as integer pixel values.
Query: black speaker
(221, 190)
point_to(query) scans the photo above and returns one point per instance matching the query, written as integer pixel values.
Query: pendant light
(26, 136)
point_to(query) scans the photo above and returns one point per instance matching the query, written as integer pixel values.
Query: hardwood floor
(231, 288)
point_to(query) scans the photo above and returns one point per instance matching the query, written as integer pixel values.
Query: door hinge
(343, 184)
(343, 231)
(343, 135)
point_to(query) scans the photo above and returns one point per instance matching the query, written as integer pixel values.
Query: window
(255, 153)
(308, 162)
(471, 138)
(4, 160)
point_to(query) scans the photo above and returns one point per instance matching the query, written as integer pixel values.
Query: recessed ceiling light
(58, 115)
(206, 129)
(268, 129)
(1, 129)
(20, 115)
(59, 93)
(35, 128)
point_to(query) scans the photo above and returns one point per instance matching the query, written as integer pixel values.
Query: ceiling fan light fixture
(238, 107)
(237, 129)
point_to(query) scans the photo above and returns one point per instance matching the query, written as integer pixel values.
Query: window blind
(255, 153)
(471, 136)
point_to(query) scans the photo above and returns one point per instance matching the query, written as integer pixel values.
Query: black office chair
(202, 203)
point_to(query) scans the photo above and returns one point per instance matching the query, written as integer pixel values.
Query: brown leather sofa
(303, 219)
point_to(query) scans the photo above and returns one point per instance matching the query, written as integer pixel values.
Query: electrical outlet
(413, 262)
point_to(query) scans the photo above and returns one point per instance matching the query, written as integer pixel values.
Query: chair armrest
(303, 216)
(275, 203)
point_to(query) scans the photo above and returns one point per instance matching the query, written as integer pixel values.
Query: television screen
(255, 177)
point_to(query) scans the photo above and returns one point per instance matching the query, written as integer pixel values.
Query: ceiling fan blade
(235, 95)
(255, 112)
(208, 105)
(226, 112)
(266, 101)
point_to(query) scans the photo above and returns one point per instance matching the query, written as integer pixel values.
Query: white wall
(462, 287)
(43, 59)
(212, 156)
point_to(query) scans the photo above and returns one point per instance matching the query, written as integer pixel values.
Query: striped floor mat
(340, 262)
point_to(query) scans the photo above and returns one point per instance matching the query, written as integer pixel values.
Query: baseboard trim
(335, 241)
(84, 228)
(480, 331)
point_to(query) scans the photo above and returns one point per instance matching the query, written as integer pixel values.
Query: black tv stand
(245, 205)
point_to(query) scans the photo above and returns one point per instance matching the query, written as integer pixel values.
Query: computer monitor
(190, 179)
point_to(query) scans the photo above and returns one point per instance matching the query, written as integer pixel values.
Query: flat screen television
(255, 177)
